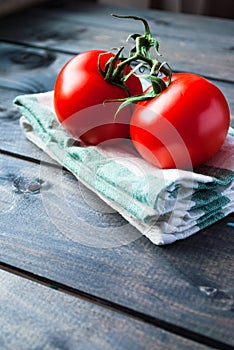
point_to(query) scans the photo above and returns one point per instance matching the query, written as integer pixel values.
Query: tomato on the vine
(182, 127)
(180, 122)
(81, 97)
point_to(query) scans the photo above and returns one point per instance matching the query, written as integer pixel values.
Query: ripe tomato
(79, 94)
(184, 126)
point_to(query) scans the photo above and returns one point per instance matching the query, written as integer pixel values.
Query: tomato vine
(115, 69)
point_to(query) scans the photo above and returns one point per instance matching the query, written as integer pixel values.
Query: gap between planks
(30, 159)
(115, 307)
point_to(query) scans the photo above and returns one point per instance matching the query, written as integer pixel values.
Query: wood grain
(36, 317)
(29, 70)
(198, 44)
(189, 284)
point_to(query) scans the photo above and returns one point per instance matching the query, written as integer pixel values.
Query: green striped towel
(164, 205)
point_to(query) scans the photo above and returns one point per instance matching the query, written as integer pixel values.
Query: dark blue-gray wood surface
(48, 220)
(35, 317)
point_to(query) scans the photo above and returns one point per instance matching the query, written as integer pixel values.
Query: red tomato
(79, 93)
(182, 127)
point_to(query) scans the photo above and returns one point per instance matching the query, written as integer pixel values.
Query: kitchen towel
(164, 205)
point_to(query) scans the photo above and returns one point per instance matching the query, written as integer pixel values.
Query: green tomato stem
(116, 67)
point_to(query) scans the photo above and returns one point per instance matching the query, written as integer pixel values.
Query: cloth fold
(164, 205)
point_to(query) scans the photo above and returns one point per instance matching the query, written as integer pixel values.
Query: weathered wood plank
(36, 317)
(29, 70)
(23, 70)
(198, 44)
(63, 232)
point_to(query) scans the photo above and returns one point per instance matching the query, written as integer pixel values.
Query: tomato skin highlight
(182, 127)
(79, 95)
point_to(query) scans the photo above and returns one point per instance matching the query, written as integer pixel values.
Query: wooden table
(59, 293)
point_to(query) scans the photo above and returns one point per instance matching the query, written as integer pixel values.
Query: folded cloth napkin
(164, 205)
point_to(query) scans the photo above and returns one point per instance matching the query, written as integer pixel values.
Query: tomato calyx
(116, 69)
